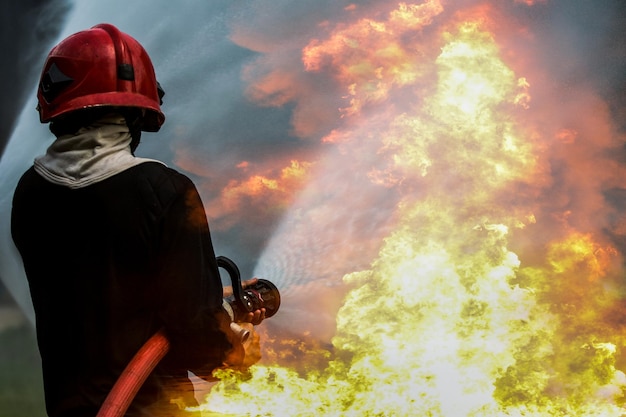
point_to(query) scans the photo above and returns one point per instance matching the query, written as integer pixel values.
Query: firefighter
(115, 247)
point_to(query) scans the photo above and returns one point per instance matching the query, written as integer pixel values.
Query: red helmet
(101, 66)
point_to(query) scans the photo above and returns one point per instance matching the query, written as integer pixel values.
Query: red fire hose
(134, 375)
(146, 359)
(138, 369)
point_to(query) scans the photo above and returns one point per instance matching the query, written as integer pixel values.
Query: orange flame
(369, 57)
(459, 314)
(269, 193)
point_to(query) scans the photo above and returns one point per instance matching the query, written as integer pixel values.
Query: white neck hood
(93, 154)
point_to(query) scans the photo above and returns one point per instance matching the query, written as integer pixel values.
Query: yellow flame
(580, 253)
(447, 322)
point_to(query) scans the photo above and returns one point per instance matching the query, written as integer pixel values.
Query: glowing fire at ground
(456, 316)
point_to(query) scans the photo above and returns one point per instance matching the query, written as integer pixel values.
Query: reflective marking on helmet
(126, 72)
(53, 82)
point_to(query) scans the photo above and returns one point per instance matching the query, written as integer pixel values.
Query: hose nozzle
(240, 332)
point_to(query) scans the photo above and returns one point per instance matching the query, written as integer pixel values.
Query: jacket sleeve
(189, 285)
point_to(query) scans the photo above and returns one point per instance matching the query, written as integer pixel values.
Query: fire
(450, 320)
(266, 190)
(368, 56)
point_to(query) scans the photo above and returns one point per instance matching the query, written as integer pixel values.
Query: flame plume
(458, 314)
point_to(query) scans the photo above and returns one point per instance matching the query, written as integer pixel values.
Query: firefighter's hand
(255, 317)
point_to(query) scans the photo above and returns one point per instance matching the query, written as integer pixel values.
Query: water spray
(262, 294)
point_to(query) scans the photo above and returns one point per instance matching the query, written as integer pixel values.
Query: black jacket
(108, 265)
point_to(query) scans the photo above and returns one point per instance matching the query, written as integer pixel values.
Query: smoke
(28, 28)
